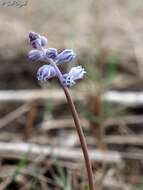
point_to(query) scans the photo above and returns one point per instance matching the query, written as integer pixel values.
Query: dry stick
(30, 120)
(13, 115)
(78, 127)
(17, 150)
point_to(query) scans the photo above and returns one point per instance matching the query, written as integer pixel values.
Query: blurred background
(39, 147)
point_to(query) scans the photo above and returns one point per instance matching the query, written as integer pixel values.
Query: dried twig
(17, 150)
(126, 98)
(61, 123)
(30, 121)
(129, 119)
(31, 95)
(127, 139)
(13, 115)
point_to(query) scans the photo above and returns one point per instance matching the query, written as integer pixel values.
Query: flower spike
(50, 55)
(51, 70)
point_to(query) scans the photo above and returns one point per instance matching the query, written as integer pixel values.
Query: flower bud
(66, 56)
(33, 36)
(51, 53)
(35, 55)
(44, 40)
(36, 40)
(46, 72)
(36, 44)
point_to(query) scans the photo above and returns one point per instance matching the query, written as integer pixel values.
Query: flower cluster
(52, 59)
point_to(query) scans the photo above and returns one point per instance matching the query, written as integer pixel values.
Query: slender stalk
(78, 127)
(81, 137)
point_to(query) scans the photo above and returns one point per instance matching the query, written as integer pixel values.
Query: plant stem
(78, 126)
(81, 137)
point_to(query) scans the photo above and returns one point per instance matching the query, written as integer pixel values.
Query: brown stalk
(81, 137)
(78, 127)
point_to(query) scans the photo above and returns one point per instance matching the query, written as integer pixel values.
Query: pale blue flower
(51, 53)
(44, 40)
(68, 80)
(36, 44)
(37, 41)
(76, 73)
(66, 56)
(33, 36)
(46, 72)
(35, 55)
(51, 56)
